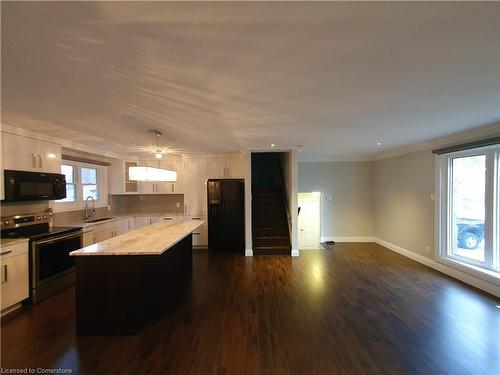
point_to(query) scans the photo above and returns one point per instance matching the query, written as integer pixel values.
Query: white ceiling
(335, 78)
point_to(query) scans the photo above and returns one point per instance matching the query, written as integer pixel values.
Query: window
(89, 183)
(69, 172)
(469, 206)
(83, 180)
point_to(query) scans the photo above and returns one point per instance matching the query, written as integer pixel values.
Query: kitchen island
(128, 280)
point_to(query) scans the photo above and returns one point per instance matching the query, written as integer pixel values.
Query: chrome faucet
(87, 215)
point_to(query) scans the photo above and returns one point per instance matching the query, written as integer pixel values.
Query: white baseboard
(295, 252)
(349, 239)
(249, 253)
(450, 271)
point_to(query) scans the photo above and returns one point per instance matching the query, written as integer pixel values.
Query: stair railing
(285, 198)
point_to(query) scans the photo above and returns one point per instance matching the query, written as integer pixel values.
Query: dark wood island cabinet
(125, 282)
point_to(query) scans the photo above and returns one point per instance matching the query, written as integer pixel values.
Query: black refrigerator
(226, 215)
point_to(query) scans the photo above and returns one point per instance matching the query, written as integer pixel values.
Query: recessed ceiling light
(379, 143)
(272, 145)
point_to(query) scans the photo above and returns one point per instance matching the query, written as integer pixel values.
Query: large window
(469, 225)
(82, 180)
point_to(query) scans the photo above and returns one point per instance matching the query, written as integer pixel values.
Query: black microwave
(33, 186)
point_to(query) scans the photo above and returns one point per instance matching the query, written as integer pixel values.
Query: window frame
(74, 183)
(79, 203)
(444, 205)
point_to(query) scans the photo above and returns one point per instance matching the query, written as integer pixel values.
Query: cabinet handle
(198, 233)
(41, 160)
(172, 188)
(6, 252)
(196, 218)
(4, 273)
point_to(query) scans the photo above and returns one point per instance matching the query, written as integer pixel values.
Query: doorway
(309, 220)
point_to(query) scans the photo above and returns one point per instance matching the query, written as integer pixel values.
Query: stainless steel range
(51, 267)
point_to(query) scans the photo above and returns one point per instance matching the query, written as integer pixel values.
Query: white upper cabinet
(195, 188)
(235, 168)
(175, 164)
(119, 178)
(226, 168)
(28, 154)
(216, 168)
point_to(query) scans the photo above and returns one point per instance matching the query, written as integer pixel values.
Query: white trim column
(294, 196)
(248, 204)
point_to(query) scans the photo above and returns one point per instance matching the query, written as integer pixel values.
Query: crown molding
(465, 136)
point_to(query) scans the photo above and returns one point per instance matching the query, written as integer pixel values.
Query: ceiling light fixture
(150, 174)
(158, 151)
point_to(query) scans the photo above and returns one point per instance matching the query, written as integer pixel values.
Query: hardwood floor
(357, 309)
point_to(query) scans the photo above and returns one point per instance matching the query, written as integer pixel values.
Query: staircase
(269, 221)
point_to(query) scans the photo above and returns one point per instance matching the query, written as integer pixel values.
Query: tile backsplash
(61, 219)
(21, 208)
(120, 205)
(147, 204)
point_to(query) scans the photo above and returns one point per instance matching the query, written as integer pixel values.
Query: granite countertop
(117, 217)
(152, 239)
(12, 241)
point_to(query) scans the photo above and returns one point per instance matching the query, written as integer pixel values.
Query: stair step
(271, 241)
(269, 215)
(266, 231)
(265, 250)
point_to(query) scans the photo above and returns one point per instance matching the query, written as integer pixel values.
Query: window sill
(481, 273)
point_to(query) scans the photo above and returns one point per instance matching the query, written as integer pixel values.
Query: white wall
(403, 209)
(350, 212)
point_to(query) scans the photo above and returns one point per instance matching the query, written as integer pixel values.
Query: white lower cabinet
(101, 232)
(15, 274)
(88, 238)
(200, 235)
(141, 221)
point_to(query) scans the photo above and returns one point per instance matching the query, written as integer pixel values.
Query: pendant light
(150, 174)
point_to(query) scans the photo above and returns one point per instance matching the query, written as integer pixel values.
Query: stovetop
(38, 231)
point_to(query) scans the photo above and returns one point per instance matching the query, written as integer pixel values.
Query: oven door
(51, 259)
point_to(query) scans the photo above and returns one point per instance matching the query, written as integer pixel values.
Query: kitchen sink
(98, 220)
